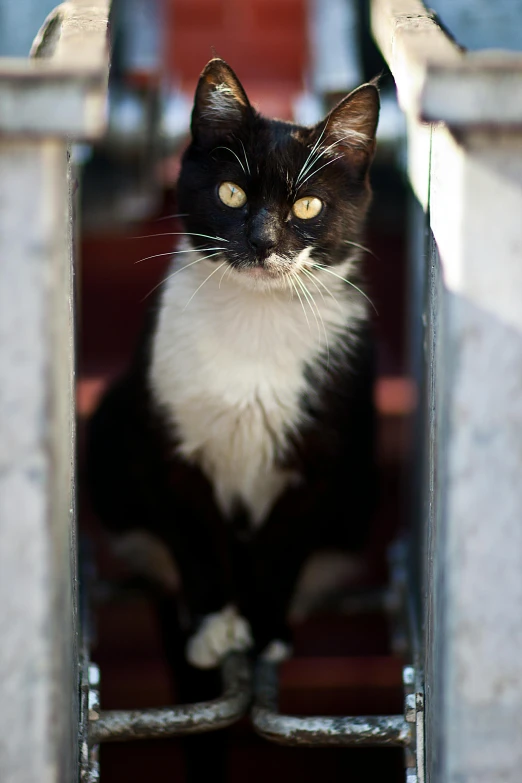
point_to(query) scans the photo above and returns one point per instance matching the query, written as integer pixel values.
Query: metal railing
(119, 725)
(321, 731)
(258, 697)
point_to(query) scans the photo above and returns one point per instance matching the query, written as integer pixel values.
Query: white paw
(220, 633)
(277, 651)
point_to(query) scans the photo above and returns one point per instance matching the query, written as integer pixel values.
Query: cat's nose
(263, 235)
(262, 244)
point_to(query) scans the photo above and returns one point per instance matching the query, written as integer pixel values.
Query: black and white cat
(240, 442)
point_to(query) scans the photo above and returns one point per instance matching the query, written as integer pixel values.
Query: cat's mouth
(271, 272)
(276, 266)
(259, 272)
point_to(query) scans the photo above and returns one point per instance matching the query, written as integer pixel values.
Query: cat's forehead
(277, 158)
(280, 148)
(284, 137)
(276, 152)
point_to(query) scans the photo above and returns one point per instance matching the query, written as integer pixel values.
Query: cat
(240, 441)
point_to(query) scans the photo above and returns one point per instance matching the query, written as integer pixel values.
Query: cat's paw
(277, 651)
(219, 633)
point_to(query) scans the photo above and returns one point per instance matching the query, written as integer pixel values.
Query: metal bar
(350, 731)
(125, 725)
(89, 706)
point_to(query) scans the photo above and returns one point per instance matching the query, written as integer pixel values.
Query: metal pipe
(370, 730)
(156, 723)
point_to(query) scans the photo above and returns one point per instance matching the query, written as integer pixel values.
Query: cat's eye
(232, 195)
(307, 207)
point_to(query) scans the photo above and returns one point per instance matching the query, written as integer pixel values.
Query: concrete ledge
(62, 91)
(437, 81)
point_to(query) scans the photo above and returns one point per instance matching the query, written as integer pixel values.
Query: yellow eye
(307, 207)
(232, 195)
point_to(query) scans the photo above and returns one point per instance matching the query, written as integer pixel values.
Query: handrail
(323, 731)
(125, 725)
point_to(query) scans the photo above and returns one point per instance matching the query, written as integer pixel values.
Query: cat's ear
(221, 106)
(352, 124)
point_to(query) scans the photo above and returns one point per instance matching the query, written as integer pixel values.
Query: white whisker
(300, 300)
(310, 155)
(327, 269)
(172, 217)
(180, 234)
(361, 247)
(323, 152)
(336, 144)
(311, 301)
(313, 173)
(308, 274)
(307, 168)
(203, 283)
(245, 155)
(306, 295)
(233, 153)
(317, 280)
(228, 269)
(177, 252)
(177, 272)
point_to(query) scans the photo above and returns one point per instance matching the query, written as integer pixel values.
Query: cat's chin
(257, 278)
(274, 275)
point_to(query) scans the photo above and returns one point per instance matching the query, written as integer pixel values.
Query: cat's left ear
(221, 106)
(352, 124)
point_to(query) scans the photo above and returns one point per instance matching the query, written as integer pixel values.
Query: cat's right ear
(221, 106)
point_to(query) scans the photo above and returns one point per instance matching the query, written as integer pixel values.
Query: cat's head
(269, 196)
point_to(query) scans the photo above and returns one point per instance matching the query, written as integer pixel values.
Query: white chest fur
(228, 371)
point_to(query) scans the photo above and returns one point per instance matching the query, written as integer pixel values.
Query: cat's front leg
(215, 626)
(219, 633)
(277, 651)
(275, 573)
